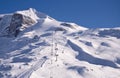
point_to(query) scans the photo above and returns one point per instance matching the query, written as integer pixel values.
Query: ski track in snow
(27, 73)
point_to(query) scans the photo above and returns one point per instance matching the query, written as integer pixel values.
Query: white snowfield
(47, 48)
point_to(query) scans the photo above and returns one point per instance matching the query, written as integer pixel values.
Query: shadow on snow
(83, 56)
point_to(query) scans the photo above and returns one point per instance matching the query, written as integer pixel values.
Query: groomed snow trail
(27, 73)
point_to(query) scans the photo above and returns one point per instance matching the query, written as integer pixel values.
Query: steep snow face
(42, 47)
(30, 13)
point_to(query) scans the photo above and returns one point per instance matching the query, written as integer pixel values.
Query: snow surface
(54, 49)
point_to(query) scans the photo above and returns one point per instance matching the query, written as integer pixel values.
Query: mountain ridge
(35, 45)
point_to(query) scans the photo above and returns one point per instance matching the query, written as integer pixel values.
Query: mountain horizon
(66, 20)
(35, 45)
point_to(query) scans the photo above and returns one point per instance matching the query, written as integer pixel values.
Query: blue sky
(88, 13)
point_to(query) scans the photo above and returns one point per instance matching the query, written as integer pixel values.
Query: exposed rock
(111, 32)
(0, 18)
(67, 25)
(59, 29)
(17, 22)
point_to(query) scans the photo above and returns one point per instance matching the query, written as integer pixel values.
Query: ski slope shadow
(83, 56)
(80, 70)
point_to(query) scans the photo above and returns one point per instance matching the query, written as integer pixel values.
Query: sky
(87, 13)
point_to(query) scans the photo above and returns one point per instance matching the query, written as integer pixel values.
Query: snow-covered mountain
(35, 45)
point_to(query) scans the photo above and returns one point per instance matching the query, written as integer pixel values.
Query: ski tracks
(27, 73)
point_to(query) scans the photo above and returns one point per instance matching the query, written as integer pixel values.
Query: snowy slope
(34, 45)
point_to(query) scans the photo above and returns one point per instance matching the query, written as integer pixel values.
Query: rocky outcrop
(0, 18)
(110, 32)
(67, 25)
(18, 21)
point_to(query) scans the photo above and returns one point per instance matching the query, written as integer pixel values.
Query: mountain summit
(35, 45)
